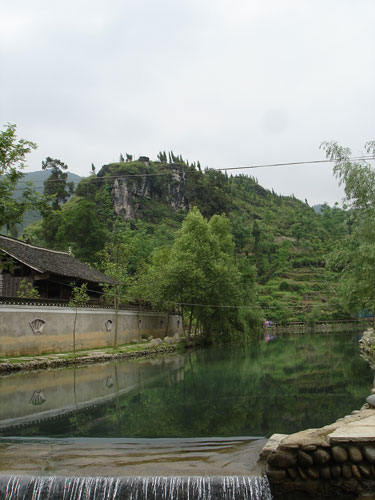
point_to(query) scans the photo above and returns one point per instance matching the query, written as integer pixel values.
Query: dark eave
(44, 260)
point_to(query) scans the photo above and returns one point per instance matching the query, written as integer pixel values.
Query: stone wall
(367, 347)
(319, 327)
(336, 461)
(36, 329)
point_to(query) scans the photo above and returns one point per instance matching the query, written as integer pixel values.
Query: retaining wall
(33, 330)
(334, 462)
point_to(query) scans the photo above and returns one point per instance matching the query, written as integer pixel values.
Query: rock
(351, 485)
(150, 338)
(347, 471)
(282, 458)
(369, 453)
(371, 400)
(355, 454)
(302, 472)
(355, 412)
(126, 192)
(275, 475)
(309, 447)
(339, 454)
(366, 406)
(325, 472)
(321, 456)
(176, 336)
(271, 445)
(356, 472)
(292, 473)
(313, 473)
(168, 340)
(364, 470)
(304, 459)
(156, 342)
(335, 471)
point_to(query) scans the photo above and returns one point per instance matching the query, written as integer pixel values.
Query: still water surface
(282, 386)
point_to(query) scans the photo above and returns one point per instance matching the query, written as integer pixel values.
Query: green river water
(282, 386)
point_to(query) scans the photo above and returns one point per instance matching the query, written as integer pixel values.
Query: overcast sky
(225, 82)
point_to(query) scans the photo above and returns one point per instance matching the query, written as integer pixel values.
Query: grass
(86, 353)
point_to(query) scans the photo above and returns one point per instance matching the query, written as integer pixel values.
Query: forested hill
(36, 179)
(284, 237)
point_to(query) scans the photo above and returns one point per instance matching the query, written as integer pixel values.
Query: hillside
(284, 237)
(36, 180)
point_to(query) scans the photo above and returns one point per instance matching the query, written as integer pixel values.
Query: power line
(188, 172)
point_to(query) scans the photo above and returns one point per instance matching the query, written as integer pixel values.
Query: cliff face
(129, 194)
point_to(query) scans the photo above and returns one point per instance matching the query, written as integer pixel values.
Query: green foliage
(13, 152)
(12, 159)
(80, 229)
(26, 290)
(199, 275)
(79, 295)
(88, 187)
(114, 261)
(354, 255)
(56, 186)
(280, 239)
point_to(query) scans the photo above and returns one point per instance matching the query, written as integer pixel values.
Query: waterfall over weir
(134, 488)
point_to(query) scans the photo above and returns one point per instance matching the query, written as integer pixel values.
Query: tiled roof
(53, 261)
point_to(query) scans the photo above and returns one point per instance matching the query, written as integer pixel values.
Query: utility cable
(188, 172)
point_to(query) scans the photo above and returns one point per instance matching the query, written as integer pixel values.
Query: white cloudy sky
(226, 82)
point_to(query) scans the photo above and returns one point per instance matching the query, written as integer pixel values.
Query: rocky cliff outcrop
(130, 193)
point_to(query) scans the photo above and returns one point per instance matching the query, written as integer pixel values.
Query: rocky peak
(131, 191)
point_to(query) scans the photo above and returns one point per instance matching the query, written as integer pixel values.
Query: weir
(134, 488)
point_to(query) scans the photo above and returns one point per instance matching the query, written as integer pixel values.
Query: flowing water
(134, 488)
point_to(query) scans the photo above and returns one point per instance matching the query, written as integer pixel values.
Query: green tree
(12, 160)
(26, 290)
(79, 298)
(80, 228)
(354, 255)
(198, 274)
(57, 185)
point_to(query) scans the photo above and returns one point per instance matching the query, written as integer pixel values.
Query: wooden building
(51, 272)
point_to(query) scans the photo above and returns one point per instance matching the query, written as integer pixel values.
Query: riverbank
(319, 327)
(335, 461)
(146, 349)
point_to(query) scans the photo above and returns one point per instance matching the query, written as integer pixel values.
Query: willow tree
(354, 256)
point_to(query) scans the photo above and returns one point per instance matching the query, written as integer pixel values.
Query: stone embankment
(367, 347)
(319, 327)
(147, 348)
(336, 461)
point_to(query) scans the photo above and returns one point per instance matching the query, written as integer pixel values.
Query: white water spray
(134, 488)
